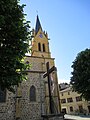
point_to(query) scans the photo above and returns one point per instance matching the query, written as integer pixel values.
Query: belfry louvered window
(39, 46)
(43, 45)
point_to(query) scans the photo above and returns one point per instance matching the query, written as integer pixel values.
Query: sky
(67, 23)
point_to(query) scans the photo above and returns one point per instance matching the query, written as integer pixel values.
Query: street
(73, 117)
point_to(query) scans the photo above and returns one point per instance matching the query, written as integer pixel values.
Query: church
(39, 94)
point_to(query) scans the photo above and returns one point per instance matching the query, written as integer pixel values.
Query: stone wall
(7, 109)
(32, 110)
(19, 105)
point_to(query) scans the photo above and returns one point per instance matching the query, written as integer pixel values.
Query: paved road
(72, 117)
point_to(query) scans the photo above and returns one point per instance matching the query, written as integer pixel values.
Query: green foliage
(14, 37)
(80, 79)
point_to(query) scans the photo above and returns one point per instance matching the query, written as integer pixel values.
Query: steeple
(38, 25)
(40, 43)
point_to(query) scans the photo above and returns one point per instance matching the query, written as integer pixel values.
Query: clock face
(40, 35)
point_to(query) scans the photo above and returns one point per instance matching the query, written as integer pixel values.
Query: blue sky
(68, 25)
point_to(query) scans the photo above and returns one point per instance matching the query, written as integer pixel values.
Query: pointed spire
(38, 25)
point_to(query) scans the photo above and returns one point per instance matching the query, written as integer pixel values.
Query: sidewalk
(73, 117)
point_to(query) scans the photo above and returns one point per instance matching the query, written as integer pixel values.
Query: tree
(80, 79)
(14, 37)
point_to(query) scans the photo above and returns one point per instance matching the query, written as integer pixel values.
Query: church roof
(38, 25)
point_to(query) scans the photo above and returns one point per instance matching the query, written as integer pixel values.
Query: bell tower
(40, 43)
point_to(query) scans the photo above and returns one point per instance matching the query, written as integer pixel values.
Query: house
(72, 102)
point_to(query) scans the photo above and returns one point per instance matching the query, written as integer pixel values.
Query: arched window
(32, 94)
(39, 46)
(2, 95)
(43, 47)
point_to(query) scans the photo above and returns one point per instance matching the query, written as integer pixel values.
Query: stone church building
(32, 97)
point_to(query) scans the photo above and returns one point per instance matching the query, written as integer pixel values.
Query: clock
(40, 35)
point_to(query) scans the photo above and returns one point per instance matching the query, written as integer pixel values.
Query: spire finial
(37, 12)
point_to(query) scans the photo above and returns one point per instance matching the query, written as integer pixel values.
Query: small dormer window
(39, 46)
(68, 93)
